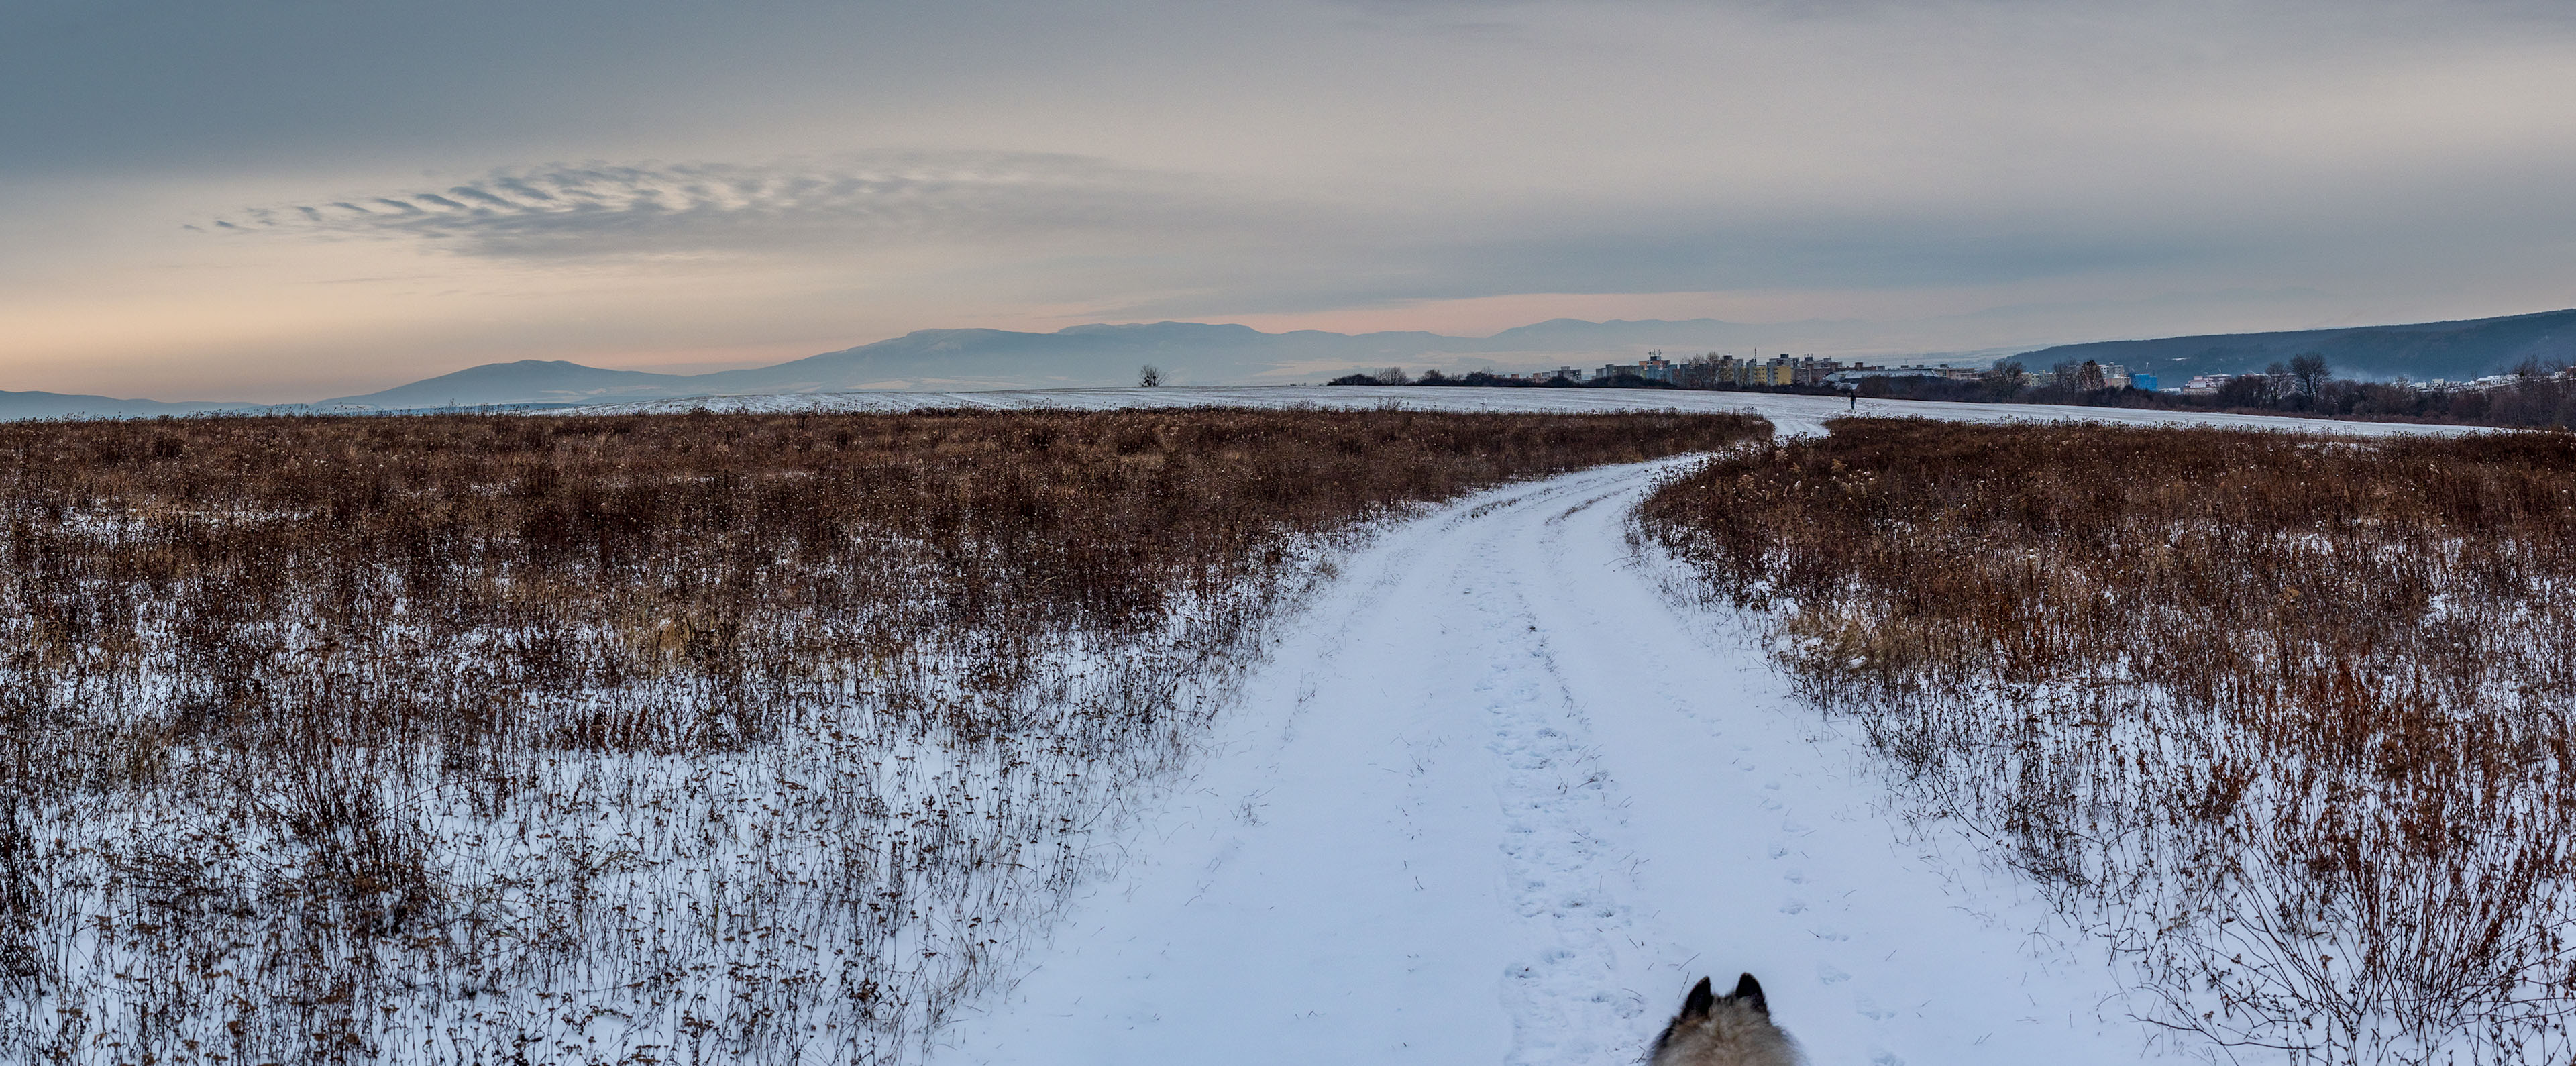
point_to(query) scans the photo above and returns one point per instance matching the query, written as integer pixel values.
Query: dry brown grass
(693, 738)
(2290, 718)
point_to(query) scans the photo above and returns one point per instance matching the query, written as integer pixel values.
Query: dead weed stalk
(645, 739)
(2290, 718)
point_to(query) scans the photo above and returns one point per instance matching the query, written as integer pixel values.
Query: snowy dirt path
(1496, 800)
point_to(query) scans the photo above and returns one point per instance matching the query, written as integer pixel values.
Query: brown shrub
(2289, 716)
(757, 736)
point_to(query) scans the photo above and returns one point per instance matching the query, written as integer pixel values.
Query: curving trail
(1495, 799)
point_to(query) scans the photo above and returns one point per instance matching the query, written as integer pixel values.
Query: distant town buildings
(1725, 370)
(1544, 376)
(1652, 368)
(1779, 370)
(1852, 376)
(1713, 369)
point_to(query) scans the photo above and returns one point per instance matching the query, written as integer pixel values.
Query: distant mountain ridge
(525, 381)
(2421, 351)
(17, 405)
(969, 359)
(1198, 353)
(1189, 353)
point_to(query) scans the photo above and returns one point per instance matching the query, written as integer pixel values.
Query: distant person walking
(1855, 399)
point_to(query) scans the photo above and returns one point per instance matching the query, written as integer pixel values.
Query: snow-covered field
(1793, 414)
(1493, 791)
(1498, 798)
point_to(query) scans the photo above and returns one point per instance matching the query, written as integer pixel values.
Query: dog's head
(1728, 1030)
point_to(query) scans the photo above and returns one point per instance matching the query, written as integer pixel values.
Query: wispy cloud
(646, 209)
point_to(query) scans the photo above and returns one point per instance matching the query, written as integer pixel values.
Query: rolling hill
(17, 405)
(1195, 353)
(1189, 353)
(2421, 351)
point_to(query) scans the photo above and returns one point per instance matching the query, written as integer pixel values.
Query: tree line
(2535, 394)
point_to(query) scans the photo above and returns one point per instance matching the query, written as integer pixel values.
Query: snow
(1497, 794)
(1793, 414)
(1500, 796)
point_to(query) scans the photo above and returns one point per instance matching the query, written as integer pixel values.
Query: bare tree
(2004, 379)
(2309, 370)
(1696, 372)
(1393, 375)
(1149, 376)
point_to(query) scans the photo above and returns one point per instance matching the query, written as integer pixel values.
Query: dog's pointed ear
(1749, 992)
(1696, 1004)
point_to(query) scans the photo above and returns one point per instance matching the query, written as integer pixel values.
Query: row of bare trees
(2534, 394)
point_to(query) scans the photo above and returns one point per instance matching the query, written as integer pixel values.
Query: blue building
(2143, 381)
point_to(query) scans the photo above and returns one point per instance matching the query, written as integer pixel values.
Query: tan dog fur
(1734, 1030)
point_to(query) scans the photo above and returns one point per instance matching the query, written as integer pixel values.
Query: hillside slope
(1189, 353)
(17, 405)
(2421, 351)
(525, 381)
(1197, 353)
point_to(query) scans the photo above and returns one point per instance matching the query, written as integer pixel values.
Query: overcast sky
(289, 199)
